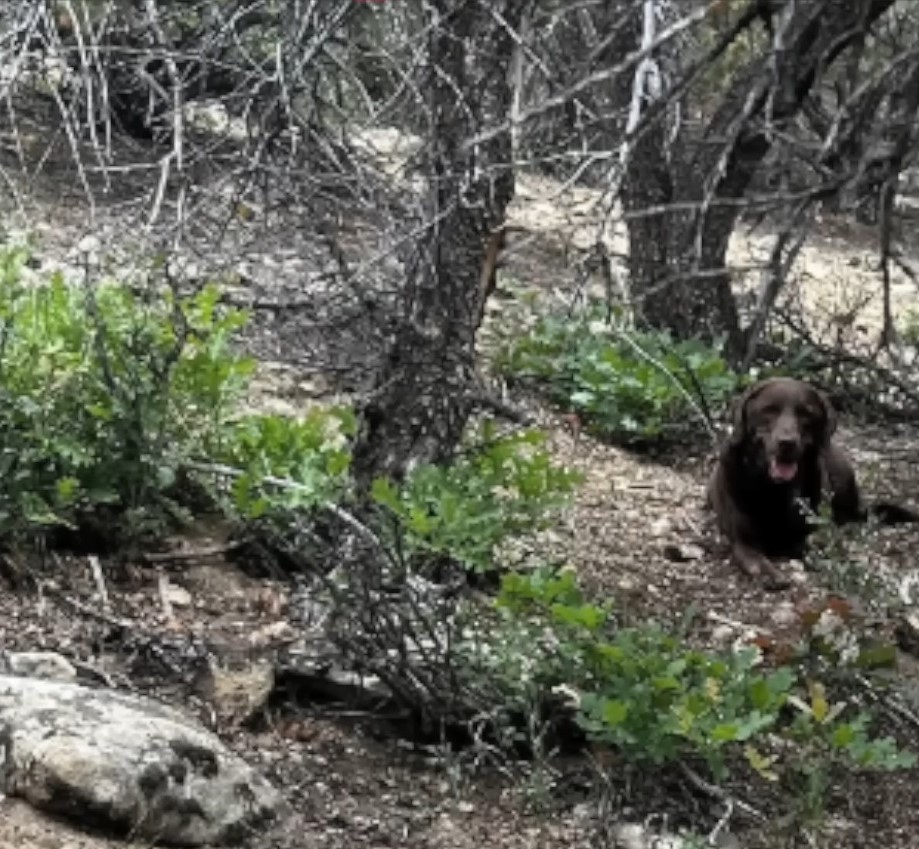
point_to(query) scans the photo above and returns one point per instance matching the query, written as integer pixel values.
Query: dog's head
(780, 421)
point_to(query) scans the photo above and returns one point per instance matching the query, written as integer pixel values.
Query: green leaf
(338, 463)
(67, 489)
(726, 732)
(820, 707)
(843, 735)
(385, 494)
(614, 712)
(877, 656)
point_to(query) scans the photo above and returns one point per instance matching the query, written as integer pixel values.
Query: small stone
(630, 836)
(176, 595)
(88, 245)
(797, 576)
(722, 634)
(238, 690)
(682, 553)
(659, 527)
(783, 614)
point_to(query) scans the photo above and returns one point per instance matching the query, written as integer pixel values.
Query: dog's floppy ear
(829, 415)
(739, 409)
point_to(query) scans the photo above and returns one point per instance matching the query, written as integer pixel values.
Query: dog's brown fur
(781, 453)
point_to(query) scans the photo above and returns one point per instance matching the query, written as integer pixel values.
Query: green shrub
(499, 487)
(654, 699)
(285, 463)
(642, 690)
(113, 396)
(633, 387)
(105, 393)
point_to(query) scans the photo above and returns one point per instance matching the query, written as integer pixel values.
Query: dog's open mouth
(782, 471)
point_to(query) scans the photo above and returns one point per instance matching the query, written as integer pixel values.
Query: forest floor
(351, 783)
(636, 533)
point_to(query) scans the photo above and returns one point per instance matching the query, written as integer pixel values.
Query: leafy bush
(285, 463)
(105, 393)
(500, 487)
(634, 387)
(640, 689)
(112, 397)
(654, 699)
(820, 745)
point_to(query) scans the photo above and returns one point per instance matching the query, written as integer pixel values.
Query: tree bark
(423, 396)
(680, 225)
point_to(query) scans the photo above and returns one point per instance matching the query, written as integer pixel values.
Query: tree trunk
(680, 226)
(423, 395)
(677, 262)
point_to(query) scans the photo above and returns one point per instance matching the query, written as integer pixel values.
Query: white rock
(722, 634)
(176, 595)
(88, 245)
(784, 614)
(636, 836)
(129, 763)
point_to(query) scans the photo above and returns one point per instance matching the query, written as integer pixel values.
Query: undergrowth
(628, 386)
(501, 486)
(762, 708)
(281, 464)
(122, 407)
(120, 404)
(106, 394)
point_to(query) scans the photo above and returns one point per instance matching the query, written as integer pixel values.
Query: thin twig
(90, 612)
(720, 793)
(94, 671)
(162, 589)
(700, 405)
(96, 569)
(222, 470)
(722, 823)
(890, 703)
(191, 553)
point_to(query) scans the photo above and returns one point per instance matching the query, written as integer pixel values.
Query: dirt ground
(350, 782)
(636, 533)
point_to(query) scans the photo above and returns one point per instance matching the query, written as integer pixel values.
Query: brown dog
(774, 468)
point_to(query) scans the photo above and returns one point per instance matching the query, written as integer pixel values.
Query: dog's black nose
(787, 445)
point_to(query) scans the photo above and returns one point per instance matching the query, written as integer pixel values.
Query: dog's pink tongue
(782, 471)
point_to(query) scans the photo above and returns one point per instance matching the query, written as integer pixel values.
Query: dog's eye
(772, 409)
(809, 414)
